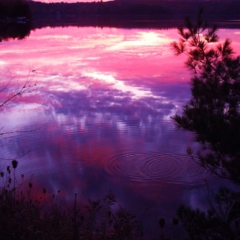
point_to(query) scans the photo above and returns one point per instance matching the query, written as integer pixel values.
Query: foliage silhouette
(212, 114)
(24, 216)
(220, 222)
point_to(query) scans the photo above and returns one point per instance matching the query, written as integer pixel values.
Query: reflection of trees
(213, 112)
(213, 115)
(15, 19)
(14, 30)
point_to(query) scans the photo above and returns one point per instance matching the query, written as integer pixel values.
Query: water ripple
(156, 168)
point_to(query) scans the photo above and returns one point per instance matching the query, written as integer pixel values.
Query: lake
(98, 117)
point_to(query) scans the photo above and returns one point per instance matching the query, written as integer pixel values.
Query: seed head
(14, 164)
(162, 222)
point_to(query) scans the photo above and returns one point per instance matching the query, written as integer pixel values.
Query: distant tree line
(14, 9)
(95, 8)
(116, 9)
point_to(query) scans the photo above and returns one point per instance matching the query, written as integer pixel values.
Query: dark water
(98, 117)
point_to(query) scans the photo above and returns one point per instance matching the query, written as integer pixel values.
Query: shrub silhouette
(25, 217)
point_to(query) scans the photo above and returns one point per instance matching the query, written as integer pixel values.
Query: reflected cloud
(142, 43)
(86, 47)
(101, 93)
(141, 40)
(119, 85)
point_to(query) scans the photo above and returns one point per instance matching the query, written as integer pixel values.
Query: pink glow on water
(127, 65)
(100, 94)
(119, 53)
(132, 62)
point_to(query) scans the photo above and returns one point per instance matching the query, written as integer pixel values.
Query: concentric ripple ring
(156, 167)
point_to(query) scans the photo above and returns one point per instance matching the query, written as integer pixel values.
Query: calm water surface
(99, 117)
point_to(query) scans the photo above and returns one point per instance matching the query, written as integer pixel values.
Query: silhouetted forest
(129, 15)
(127, 10)
(165, 14)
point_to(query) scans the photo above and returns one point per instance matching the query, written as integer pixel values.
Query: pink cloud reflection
(99, 92)
(72, 53)
(135, 61)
